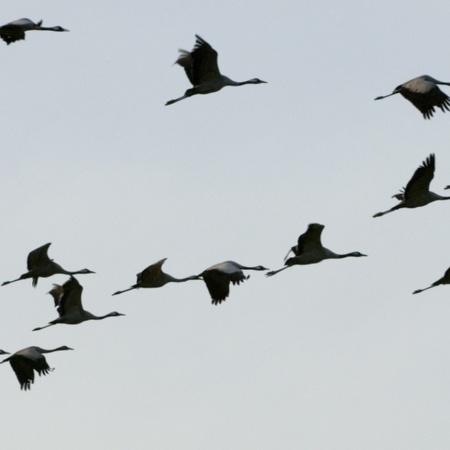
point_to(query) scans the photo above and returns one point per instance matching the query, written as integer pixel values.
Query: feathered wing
(23, 368)
(425, 102)
(218, 284)
(200, 65)
(38, 258)
(71, 297)
(310, 240)
(420, 181)
(152, 273)
(24, 371)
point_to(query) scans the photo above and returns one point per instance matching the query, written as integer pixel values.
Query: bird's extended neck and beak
(386, 96)
(125, 290)
(418, 291)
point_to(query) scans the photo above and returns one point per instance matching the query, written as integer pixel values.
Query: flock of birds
(203, 73)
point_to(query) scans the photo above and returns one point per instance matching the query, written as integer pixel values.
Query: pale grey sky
(338, 355)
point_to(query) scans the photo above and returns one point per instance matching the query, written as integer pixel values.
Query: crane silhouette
(203, 72)
(39, 265)
(15, 31)
(417, 192)
(30, 359)
(70, 309)
(309, 250)
(154, 277)
(444, 280)
(424, 94)
(218, 278)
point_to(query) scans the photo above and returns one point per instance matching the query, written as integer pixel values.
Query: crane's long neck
(274, 272)
(41, 350)
(386, 96)
(126, 290)
(182, 280)
(46, 326)
(418, 291)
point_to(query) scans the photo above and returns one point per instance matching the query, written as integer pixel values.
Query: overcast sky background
(338, 355)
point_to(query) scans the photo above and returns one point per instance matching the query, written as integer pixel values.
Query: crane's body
(154, 277)
(203, 72)
(417, 192)
(70, 309)
(444, 280)
(39, 265)
(15, 30)
(219, 276)
(30, 359)
(423, 92)
(309, 250)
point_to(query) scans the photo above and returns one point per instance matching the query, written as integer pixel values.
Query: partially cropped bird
(70, 309)
(40, 265)
(309, 250)
(447, 187)
(218, 278)
(154, 277)
(203, 72)
(15, 31)
(424, 94)
(417, 192)
(444, 280)
(30, 359)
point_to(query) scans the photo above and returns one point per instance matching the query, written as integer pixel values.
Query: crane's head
(356, 254)
(85, 271)
(256, 81)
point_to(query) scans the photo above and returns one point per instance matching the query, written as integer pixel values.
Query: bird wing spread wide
(38, 258)
(10, 33)
(151, 273)
(71, 298)
(425, 101)
(309, 241)
(200, 65)
(420, 181)
(23, 368)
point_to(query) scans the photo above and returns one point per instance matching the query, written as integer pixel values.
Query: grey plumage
(219, 276)
(15, 30)
(423, 92)
(28, 360)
